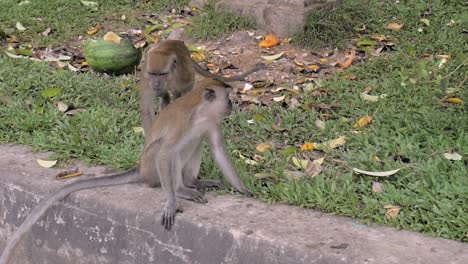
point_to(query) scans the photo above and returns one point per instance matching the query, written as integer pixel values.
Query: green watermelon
(111, 57)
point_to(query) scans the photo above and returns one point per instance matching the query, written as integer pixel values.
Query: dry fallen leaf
(278, 128)
(377, 187)
(363, 121)
(453, 156)
(270, 41)
(279, 98)
(376, 173)
(328, 145)
(314, 169)
(455, 100)
(301, 164)
(62, 107)
(273, 57)
(20, 26)
(392, 210)
(68, 174)
(46, 163)
(138, 129)
(394, 26)
(94, 29)
(320, 124)
(264, 146)
(307, 146)
(111, 36)
(349, 61)
(371, 98)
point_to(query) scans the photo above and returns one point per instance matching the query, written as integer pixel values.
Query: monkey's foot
(168, 216)
(191, 194)
(203, 184)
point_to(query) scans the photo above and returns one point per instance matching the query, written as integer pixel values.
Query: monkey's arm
(240, 77)
(218, 150)
(146, 104)
(39, 210)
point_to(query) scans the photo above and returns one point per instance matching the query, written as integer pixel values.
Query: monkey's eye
(158, 73)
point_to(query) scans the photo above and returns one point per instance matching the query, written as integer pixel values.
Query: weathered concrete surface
(281, 17)
(121, 225)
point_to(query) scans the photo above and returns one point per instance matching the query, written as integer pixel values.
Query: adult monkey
(171, 156)
(168, 69)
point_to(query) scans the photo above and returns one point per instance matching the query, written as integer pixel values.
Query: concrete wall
(122, 225)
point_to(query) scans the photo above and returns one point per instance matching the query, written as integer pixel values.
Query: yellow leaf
(455, 100)
(111, 36)
(327, 146)
(94, 29)
(138, 129)
(394, 26)
(307, 146)
(363, 121)
(323, 60)
(318, 161)
(301, 164)
(263, 146)
(46, 163)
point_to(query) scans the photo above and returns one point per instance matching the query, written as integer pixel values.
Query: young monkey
(169, 69)
(171, 156)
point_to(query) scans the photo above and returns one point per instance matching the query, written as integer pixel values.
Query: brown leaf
(394, 26)
(349, 61)
(392, 210)
(278, 128)
(264, 146)
(68, 174)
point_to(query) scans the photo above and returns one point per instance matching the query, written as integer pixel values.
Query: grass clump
(328, 27)
(68, 19)
(211, 23)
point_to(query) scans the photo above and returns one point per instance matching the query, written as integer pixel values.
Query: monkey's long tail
(116, 179)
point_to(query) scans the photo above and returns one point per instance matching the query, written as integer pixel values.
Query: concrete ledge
(121, 225)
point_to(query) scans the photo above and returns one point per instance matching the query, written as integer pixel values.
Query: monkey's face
(160, 70)
(218, 102)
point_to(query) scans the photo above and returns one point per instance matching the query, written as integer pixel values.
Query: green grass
(412, 126)
(68, 19)
(211, 24)
(332, 28)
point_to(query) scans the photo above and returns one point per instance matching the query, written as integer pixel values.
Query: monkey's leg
(192, 169)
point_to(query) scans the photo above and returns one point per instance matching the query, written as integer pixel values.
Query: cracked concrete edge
(121, 225)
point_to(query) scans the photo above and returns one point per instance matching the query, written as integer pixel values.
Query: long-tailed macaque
(171, 156)
(169, 70)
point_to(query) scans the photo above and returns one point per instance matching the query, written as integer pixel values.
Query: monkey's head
(215, 95)
(159, 69)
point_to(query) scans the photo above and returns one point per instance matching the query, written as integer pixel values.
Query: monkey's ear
(209, 94)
